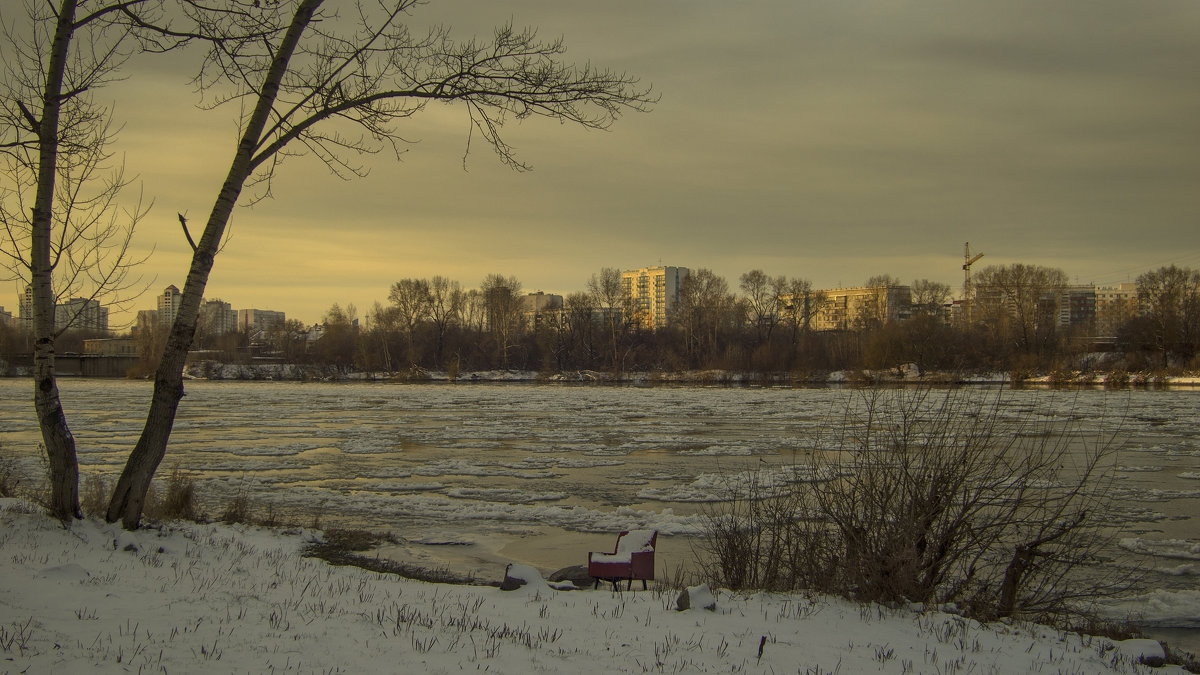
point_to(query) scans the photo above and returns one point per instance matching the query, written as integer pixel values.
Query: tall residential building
(77, 313)
(81, 314)
(1077, 308)
(25, 309)
(218, 317)
(652, 292)
(847, 308)
(168, 305)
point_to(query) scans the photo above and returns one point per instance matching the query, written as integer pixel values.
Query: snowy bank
(210, 598)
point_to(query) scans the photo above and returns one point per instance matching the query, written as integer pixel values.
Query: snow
(210, 598)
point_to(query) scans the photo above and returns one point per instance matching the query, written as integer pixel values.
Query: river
(471, 475)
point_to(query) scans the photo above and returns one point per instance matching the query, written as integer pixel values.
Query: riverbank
(191, 597)
(905, 374)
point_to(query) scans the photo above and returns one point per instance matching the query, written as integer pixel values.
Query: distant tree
(289, 339)
(502, 307)
(445, 310)
(704, 309)
(579, 328)
(1169, 300)
(801, 302)
(762, 294)
(339, 343)
(412, 301)
(608, 299)
(1020, 304)
(299, 80)
(929, 298)
(874, 310)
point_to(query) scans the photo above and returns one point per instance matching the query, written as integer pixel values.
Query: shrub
(179, 503)
(928, 497)
(9, 480)
(93, 498)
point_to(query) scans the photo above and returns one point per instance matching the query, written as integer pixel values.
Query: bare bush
(930, 496)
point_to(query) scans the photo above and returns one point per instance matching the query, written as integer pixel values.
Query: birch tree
(338, 87)
(65, 232)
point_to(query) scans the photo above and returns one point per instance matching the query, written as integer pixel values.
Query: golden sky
(828, 140)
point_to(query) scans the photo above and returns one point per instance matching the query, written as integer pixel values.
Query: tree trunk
(129, 495)
(60, 444)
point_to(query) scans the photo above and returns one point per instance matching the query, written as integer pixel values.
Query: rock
(576, 575)
(516, 576)
(696, 596)
(511, 584)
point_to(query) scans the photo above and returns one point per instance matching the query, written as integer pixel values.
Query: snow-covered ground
(209, 598)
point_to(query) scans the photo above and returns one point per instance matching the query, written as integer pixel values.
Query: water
(474, 475)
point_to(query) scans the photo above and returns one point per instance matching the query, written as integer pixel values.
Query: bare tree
(445, 309)
(608, 298)
(412, 300)
(1169, 300)
(1020, 303)
(301, 82)
(800, 303)
(929, 297)
(502, 308)
(762, 300)
(705, 307)
(65, 235)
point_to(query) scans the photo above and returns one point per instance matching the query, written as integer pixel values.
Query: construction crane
(968, 260)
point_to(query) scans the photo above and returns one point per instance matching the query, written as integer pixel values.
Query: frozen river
(473, 475)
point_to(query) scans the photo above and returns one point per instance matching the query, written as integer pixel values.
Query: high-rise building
(651, 293)
(26, 309)
(218, 317)
(81, 313)
(168, 305)
(77, 313)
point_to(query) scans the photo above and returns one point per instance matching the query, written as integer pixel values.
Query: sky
(830, 141)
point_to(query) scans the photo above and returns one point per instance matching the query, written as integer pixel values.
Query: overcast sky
(828, 140)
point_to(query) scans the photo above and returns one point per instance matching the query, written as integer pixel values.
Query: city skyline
(831, 142)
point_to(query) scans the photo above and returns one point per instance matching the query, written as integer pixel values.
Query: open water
(472, 475)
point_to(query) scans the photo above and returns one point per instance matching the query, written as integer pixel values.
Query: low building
(122, 346)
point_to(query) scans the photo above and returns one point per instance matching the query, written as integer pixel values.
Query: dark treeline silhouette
(1019, 320)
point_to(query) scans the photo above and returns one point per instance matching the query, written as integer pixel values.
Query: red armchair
(632, 558)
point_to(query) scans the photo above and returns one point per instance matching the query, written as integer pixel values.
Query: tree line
(1017, 319)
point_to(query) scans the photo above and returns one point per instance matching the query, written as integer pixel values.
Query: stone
(577, 575)
(699, 597)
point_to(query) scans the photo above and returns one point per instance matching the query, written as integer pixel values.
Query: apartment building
(78, 313)
(258, 320)
(1115, 305)
(1077, 307)
(651, 293)
(218, 317)
(542, 308)
(848, 308)
(168, 305)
